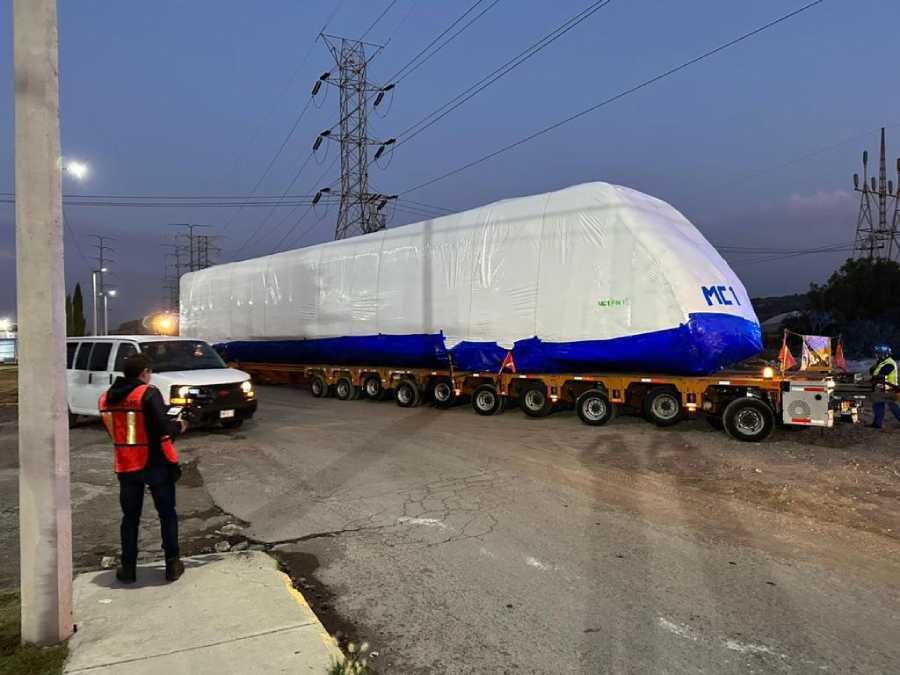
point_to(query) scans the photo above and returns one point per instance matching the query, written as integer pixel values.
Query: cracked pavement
(454, 543)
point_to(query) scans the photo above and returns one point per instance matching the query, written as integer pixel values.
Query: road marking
(534, 562)
(429, 522)
(749, 648)
(678, 629)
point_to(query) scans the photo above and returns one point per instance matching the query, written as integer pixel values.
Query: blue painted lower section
(708, 342)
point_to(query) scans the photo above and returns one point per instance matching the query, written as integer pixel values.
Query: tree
(68, 314)
(861, 289)
(78, 321)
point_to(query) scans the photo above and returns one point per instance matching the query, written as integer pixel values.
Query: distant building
(8, 343)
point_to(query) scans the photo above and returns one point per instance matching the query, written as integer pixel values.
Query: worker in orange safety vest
(136, 418)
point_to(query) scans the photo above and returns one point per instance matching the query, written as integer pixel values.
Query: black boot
(127, 574)
(174, 569)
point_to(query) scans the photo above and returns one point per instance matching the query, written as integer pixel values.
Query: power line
(277, 204)
(402, 74)
(442, 111)
(622, 94)
(277, 153)
(240, 157)
(377, 20)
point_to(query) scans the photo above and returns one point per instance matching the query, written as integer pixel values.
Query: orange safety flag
(785, 357)
(839, 360)
(508, 363)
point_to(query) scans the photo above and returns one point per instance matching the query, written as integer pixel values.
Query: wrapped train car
(587, 278)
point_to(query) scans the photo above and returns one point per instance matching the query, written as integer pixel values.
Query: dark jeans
(878, 408)
(131, 497)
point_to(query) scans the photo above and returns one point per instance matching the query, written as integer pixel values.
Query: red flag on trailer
(839, 360)
(785, 357)
(508, 363)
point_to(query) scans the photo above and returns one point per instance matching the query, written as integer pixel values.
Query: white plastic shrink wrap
(591, 276)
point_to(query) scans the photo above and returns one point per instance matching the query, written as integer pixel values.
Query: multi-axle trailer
(746, 404)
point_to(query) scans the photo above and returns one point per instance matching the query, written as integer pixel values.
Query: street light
(111, 293)
(78, 170)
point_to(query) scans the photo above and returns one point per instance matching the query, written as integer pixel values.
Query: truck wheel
(407, 394)
(345, 390)
(535, 402)
(663, 407)
(372, 388)
(486, 400)
(594, 408)
(442, 394)
(748, 419)
(318, 387)
(73, 419)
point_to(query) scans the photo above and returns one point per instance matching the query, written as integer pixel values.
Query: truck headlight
(768, 372)
(247, 387)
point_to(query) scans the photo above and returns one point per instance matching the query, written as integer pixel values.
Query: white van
(188, 373)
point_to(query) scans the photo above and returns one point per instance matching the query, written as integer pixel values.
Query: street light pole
(94, 298)
(45, 518)
(106, 296)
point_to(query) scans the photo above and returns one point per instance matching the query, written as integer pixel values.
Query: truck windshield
(181, 355)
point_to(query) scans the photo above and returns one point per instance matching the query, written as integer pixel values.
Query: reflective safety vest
(890, 378)
(125, 422)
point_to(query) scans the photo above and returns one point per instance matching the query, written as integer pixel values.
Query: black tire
(594, 408)
(73, 419)
(236, 423)
(345, 390)
(534, 400)
(663, 408)
(407, 394)
(318, 387)
(372, 388)
(748, 419)
(442, 394)
(715, 421)
(486, 400)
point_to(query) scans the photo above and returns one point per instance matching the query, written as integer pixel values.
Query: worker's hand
(184, 425)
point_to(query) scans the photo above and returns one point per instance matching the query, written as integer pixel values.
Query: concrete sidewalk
(229, 613)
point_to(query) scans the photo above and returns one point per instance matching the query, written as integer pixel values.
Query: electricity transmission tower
(189, 252)
(881, 241)
(360, 209)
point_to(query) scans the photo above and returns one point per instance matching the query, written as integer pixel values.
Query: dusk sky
(756, 145)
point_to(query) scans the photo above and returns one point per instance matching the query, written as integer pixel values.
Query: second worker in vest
(136, 418)
(885, 377)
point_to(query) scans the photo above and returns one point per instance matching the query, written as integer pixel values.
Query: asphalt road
(456, 543)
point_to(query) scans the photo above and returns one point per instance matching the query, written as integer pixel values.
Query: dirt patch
(300, 566)
(9, 386)
(849, 475)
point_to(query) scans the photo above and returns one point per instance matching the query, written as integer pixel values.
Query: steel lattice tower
(881, 241)
(360, 209)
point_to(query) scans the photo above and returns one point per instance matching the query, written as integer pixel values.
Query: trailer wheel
(345, 390)
(486, 400)
(442, 394)
(663, 407)
(748, 419)
(534, 400)
(318, 387)
(407, 394)
(594, 408)
(372, 388)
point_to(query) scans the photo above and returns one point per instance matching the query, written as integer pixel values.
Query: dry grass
(8, 385)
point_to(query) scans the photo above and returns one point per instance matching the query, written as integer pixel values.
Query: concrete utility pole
(45, 519)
